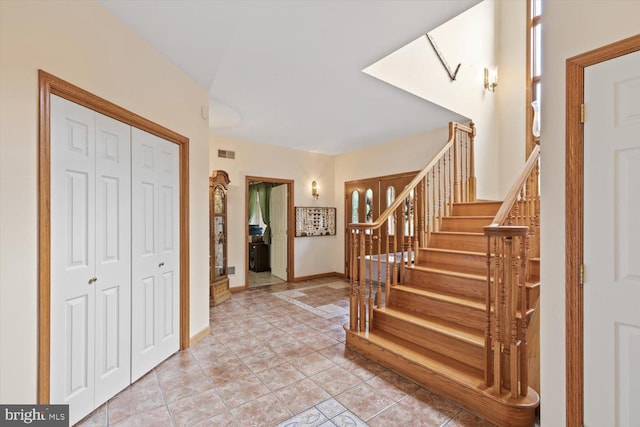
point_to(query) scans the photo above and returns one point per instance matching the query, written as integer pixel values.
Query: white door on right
(612, 243)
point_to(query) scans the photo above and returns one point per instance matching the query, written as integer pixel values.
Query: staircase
(436, 320)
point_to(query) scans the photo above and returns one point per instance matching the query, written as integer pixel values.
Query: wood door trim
(291, 224)
(48, 85)
(574, 221)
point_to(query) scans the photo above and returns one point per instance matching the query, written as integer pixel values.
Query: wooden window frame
(51, 85)
(532, 80)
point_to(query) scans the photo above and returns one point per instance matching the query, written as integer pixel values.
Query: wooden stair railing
(449, 178)
(512, 239)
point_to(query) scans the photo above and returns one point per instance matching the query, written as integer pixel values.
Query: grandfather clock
(218, 279)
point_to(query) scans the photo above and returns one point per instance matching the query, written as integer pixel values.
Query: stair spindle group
(420, 206)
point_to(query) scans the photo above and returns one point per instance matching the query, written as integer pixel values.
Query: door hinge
(581, 113)
(582, 274)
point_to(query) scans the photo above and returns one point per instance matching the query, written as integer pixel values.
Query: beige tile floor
(262, 278)
(276, 357)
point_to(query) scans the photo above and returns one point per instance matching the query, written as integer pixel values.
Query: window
(368, 201)
(534, 64)
(391, 225)
(355, 202)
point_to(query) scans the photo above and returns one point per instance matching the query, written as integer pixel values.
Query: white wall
(84, 44)
(570, 28)
(408, 154)
(511, 91)
(468, 39)
(312, 255)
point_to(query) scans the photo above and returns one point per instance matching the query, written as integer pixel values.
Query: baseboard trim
(237, 289)
(318, 276)
(200, 335)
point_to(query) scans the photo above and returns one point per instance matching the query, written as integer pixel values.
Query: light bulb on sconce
(491, 78)
(314, 190)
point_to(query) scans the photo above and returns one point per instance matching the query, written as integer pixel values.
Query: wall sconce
(491, 78)
(314, 190)
(535, 124)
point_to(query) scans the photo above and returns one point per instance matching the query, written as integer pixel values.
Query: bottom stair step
(455, 381)
(449, 339)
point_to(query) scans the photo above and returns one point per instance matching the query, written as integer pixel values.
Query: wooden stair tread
(461, 275)
(478, 202)
(437, 362)
(446, 328)
(459, 233)
(454, 251)
(448, 272)
(442, 297)
(489, 217)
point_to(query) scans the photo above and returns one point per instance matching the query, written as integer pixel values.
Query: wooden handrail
(379, 254)
(514, 191)
(505, 230)
(415, 181)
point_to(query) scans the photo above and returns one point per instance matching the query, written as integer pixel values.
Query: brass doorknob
(92, 280)
(161, 264)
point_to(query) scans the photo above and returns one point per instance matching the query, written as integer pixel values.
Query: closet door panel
(155, 251)
(169, 249)
(167, 302)
(113, 257)
(147, 307)
(72, 256)
(144, 253)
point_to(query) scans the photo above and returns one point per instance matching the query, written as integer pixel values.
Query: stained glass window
(355, 201)
(368, 200)
(391, 224)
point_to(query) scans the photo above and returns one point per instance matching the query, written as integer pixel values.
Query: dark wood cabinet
(259, 257)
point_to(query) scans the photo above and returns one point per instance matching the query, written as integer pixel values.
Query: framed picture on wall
(311, 221)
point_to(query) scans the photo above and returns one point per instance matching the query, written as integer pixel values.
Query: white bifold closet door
(155, 331)
(90, 257)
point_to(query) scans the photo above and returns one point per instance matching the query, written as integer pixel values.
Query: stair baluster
(372, 237)
(354, 286)
(362, 281)
(379, 262)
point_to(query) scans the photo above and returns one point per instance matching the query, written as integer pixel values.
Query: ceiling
(289, 73)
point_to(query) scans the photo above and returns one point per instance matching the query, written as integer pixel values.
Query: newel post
(505, 342)
(472, 168)
(353, 282)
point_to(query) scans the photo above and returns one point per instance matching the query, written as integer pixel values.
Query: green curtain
(264, 190)
(253, 194)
